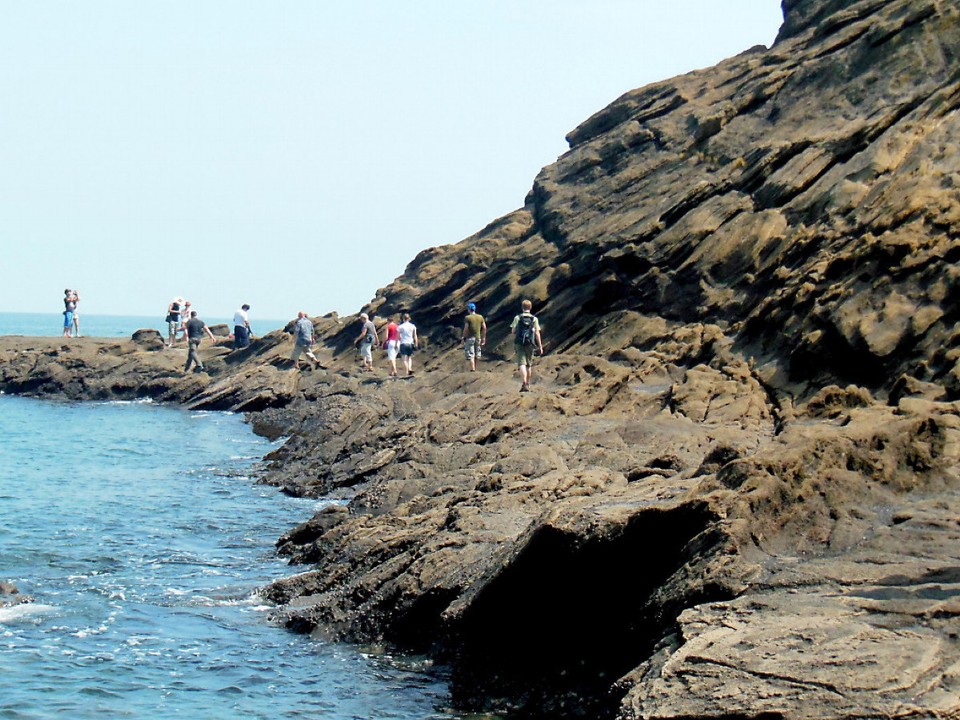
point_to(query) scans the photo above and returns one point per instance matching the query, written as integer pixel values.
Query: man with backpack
(526, 340)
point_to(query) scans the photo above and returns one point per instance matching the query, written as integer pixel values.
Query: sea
(142, 536)
(51, 324)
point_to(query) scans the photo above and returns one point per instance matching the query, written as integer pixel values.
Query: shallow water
(141, 536)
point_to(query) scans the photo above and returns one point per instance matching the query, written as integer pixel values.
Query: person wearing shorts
(474, 335)
(173, 320)
(526, 341)
(366, 340)
(76, 312)
(391, 344)
(408, 342)
(69, 306)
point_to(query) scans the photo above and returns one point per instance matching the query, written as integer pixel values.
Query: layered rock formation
(734, 490)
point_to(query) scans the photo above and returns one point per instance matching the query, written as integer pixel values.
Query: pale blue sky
(298, 154)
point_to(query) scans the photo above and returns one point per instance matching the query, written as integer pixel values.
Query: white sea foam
(26, 611)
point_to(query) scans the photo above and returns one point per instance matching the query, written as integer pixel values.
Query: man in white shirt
(408, 342)
(241, 327)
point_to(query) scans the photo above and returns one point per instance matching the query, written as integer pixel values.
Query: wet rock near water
(733, 490)
(10, 595)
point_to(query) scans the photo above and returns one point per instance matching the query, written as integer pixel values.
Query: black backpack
(525, 333)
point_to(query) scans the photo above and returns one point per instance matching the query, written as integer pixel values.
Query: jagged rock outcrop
(805, 195)
(734, 490)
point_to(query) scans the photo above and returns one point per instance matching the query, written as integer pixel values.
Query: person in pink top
(391, 344)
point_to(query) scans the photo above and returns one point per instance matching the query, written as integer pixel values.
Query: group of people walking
(183, 319)
(400, 339)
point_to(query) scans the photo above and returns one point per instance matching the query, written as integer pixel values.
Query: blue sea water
(51, 325)
(142, 536)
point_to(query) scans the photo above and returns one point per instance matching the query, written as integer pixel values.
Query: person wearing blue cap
(474, 335)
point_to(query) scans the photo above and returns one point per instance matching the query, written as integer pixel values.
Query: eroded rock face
(733, 491)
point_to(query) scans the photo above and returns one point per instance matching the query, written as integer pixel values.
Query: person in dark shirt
(195, 328)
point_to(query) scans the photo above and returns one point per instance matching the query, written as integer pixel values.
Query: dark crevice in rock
(660, 101)
(833, 354)
(551, 634)
(881, 36)
(696, 198)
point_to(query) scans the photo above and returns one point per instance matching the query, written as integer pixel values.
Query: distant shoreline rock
(10, 595)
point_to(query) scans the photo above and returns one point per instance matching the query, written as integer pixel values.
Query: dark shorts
(406, 349)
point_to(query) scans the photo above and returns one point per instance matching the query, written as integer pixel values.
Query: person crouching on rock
(302, 340)
(195, 328)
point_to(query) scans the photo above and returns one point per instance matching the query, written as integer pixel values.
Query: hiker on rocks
(241, 327)
(174, 310)
(366, 340)
(303, 340)
(526, 341)
(474, 335)
(76, 313)
(70, 300)
(408, 342)
(391, 343)
(195, 328)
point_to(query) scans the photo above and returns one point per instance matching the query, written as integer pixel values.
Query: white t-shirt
(406, 331)
(240, 317)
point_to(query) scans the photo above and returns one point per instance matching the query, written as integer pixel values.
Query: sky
(297, 155)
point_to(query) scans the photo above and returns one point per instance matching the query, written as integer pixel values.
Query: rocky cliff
(734, 489)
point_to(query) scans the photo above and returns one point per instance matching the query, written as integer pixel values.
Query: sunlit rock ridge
(733, 491)
(804, 197)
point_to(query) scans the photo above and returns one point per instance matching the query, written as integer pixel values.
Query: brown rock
(732, 491)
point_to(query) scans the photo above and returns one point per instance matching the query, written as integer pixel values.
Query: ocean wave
(24, 612)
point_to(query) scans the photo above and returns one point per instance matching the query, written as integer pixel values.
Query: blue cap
(471, 307)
